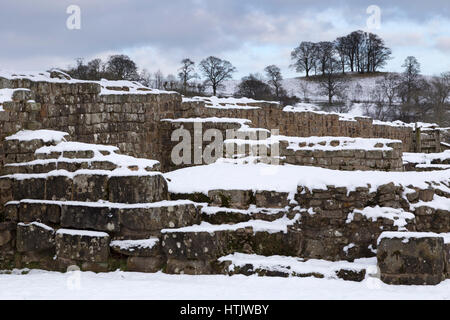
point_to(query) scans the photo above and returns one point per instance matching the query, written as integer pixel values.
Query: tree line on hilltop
(406, 96)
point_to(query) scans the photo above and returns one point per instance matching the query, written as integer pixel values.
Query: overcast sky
(250, 34)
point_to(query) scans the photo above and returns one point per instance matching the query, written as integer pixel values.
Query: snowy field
(125, 285)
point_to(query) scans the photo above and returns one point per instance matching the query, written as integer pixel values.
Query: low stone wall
(306, 124)
(339, 154)
(126, 120)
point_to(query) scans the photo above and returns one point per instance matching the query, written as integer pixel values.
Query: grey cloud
(30, 29)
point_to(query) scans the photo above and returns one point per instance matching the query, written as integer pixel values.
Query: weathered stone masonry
(75, 207)
(132, 121)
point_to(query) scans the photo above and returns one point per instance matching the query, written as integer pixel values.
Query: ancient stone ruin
(88, 179)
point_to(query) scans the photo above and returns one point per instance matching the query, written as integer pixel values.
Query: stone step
(220, 215)
(129, 221)
(121, 186)
(45, 166)
(21, 146)
(195, 249)
(283, 266)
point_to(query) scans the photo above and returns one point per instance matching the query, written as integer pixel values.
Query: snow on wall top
(100, 152)
(6, 95)
(308, 107)
(107, 86)
(228, 103)
(211, 119)
(425, 158)
(296, 265)
(286, 178)
(44, 135)
(412, 235)
(133, 245)
(335, 143)
(279, 225)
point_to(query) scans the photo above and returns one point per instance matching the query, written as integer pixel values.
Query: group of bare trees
(214, 71)
(120, 67)
(265, 87)
(411, 97)
(117, 67)
(358, 51)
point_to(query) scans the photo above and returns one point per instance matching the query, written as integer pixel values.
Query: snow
(279, 225)
(107, 204)
(119, 172)
(37, 224)
(83, 233)
(345, 143)
(303, 107)
(251, 210)
(438, 203)
(413, 235)
(75, 146)
(133, 86)
(132, 245)
(44, 135)
(399, 216)
(291, 265)
(122, 161)
(37, 76)
(286, 178)
(210, 119)
(6, 95)
(425, 158)
(228, 103)
(128, 285)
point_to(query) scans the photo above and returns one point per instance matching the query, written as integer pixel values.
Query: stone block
(92, 217)
(33, 188)
(90, 187)
(147, 221)
(271, 199)
(411, 258)
(44, 212)
(34, 237)
(145, 264)
(137, 189)
(238, 199)
(59, 188)
(80, 245)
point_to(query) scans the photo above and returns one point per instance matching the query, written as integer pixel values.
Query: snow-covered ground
(123, 285)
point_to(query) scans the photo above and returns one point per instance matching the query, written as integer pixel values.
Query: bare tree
(410, 78)
(305, 89)
(325, 56)
(158, 81)
(342, 47)
(437, 96)
(332, 84)
(186, 73)
(145, 78)
(378, 53)
(389, 86)
(378, 108)
(304, 57)
(170, 82)
(275, 80)
(216, 71)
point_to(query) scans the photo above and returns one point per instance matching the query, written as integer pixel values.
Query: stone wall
(306, 124)
(128, 121)
(132, 120)
(335, 155)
